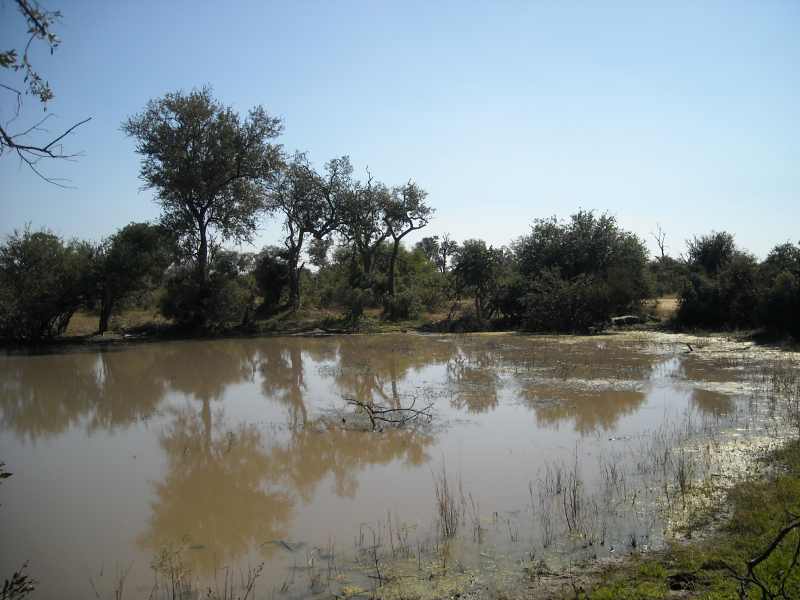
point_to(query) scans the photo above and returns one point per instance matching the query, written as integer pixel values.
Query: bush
(432, 294)
(508, 299)
(43, 281)
(130, 263)
(557, 304)
(355, 301)
(581, 272)
(404, 305)
(667, 276)
(271, 275)
(739, 290)
(225, 300)
(780, 308)
(727, 297)
(699, 302)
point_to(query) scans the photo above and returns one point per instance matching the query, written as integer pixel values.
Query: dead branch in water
(392, 416)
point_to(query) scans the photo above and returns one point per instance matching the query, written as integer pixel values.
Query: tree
(43, 281)
(476, 270)
(783, 257)
(429, 246)
(711, 252)
(363, 223)
(405, 212)
(132, 260)
(40, 24)
(588, 257)
(311, 204)
(437, 251)
(318, 251)
(208, 167)
(447, 249)
(660, 236)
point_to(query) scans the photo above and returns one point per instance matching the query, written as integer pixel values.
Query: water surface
(241, 451)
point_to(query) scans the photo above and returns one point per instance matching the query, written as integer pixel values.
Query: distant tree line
(216, 174)
(726, 287)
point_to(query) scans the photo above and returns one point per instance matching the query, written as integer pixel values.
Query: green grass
(701, 569)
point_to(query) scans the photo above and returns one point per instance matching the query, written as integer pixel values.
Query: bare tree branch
(392, 416)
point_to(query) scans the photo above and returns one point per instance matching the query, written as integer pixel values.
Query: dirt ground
(663, 308)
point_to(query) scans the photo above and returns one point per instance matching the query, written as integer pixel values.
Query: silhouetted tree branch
(39, 23)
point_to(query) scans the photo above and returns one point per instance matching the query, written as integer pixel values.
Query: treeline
(562, 276)
(216, 174)
(722, 286)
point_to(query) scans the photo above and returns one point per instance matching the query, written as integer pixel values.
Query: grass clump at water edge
(755, 555)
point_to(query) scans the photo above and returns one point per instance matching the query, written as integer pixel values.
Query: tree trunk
(478, 307)
(392, 262)
(366, 260)
(294, 286)
(106, 305)
(202, 257)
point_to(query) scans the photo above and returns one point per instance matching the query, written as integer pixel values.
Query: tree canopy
(208, 167)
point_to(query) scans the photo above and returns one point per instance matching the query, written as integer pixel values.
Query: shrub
(667, 276)
(699, 302)
(738, 289)
(405, 304)
(271, 275)
(780, 308)
(130, 262)
(580, 271)
(43, 281)
(355, 301)
(476, 271)
(432, 293)
(225, 300)
(711, 252)
(728, 297)
(558, 304)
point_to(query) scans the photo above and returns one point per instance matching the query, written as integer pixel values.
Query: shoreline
(152, 332)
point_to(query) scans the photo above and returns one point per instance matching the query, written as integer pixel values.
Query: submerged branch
(392, 416)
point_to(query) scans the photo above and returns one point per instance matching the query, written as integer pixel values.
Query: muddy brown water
(244, 451)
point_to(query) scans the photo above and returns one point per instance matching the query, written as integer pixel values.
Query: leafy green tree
(739, 290)
(589, 256)
(779, 277)
(429, 246)
(132, 260)
(711, 252)
(724, 287)
(310, 204)
(783, 257)
(405, 211)
(476, 271)
(318, 250)
(780, 309)
(447, 249)
(362, 223)
(208, 167)
(43, 281)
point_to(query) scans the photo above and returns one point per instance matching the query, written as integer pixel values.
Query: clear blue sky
(682, 113)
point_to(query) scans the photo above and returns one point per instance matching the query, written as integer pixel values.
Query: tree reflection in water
(219, 492)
